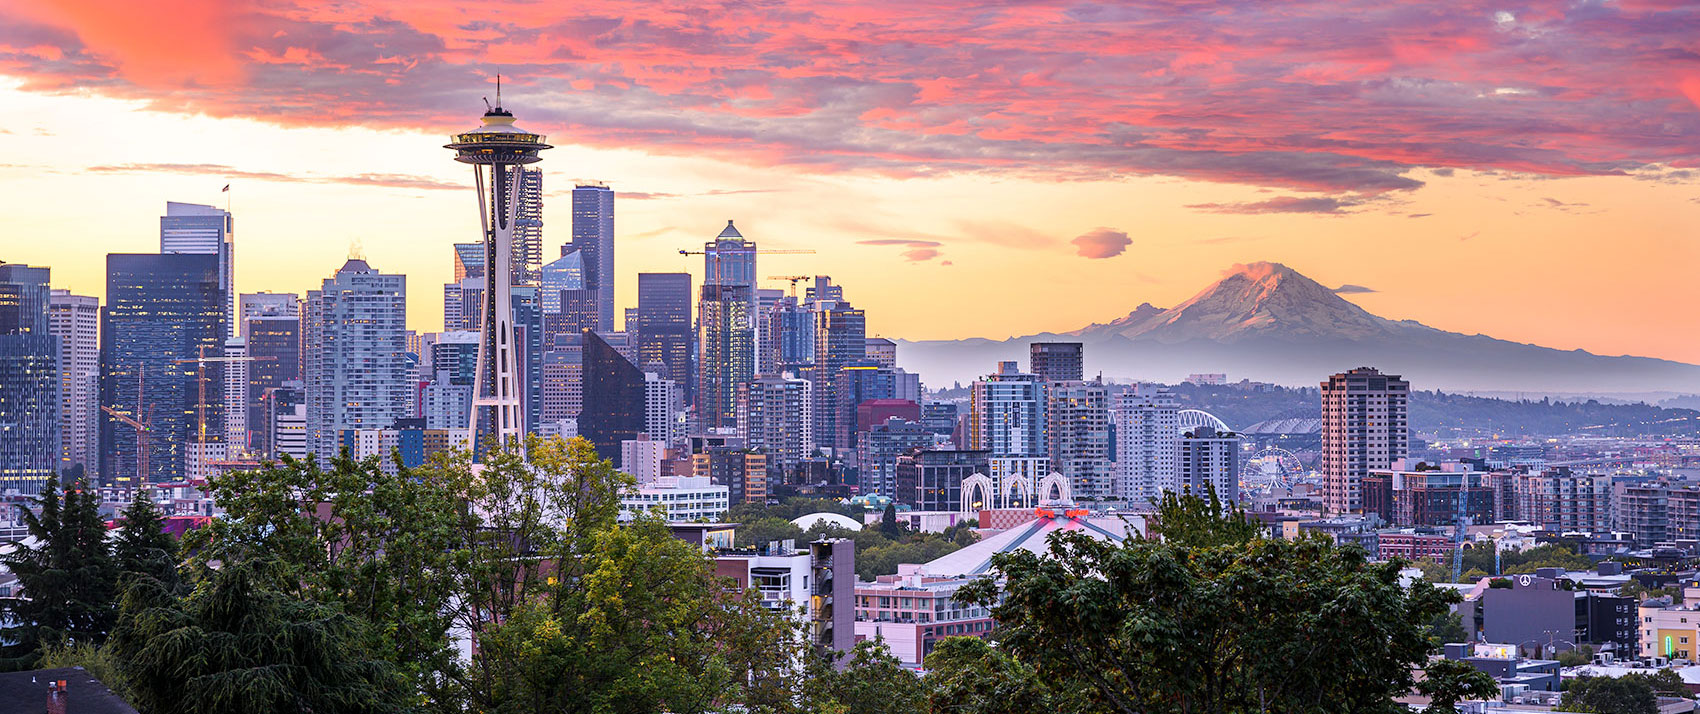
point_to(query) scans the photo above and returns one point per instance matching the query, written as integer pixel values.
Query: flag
(226, 189)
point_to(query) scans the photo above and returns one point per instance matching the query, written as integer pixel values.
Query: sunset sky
(1529, 171)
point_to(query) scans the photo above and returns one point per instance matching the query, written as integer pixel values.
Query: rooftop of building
(976, 559)
(27, 692)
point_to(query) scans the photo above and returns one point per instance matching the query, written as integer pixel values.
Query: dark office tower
(613, 397)
(1363, 428)
(593, 236)
(662, 330)
(529, 335)
(195, 229)
(29, 381)
(159, 309)
(528, 227)
(277, 337)
(1056, 361)
(840, 338)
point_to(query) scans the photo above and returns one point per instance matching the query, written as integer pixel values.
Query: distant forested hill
(1241, 407)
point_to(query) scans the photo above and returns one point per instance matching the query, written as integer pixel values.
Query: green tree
(1447, 682)
(67, 575)
(889, 527)
(871, 681)
(1187, 519)
(1446, 627)
(1667, 683)
(764, 531)
(240, 644)
(967, 675)
(642, 625)
(1607, 695)
(1207, 621)
(143, 547)
(349, 534)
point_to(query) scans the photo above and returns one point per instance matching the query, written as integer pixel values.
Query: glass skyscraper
(29, 381)
(356, 367)
(160, 308)
(191, 228)
(613, 397)
(593, 238)
(662, 332)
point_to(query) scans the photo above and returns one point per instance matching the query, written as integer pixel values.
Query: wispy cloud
(1350, 289)
(381, 180)
(1282, 204)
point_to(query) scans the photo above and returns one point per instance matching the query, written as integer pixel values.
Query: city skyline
(1476, 203)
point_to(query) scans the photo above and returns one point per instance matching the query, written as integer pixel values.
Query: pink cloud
(1100, 243)
(1318, 96)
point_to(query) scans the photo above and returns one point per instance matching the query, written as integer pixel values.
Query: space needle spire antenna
(498, 152)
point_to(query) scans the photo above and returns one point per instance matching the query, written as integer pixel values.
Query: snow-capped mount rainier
(1267, 322)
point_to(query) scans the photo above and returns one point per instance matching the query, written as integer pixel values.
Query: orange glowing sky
(1531, 172)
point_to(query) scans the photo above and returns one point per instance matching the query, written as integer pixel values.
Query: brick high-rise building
(1057, 361)
(1363, 427)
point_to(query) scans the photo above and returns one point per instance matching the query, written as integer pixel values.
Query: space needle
(498, 152)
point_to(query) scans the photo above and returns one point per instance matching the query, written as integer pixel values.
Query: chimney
(56, 696)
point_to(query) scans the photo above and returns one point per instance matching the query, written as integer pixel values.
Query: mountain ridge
(1267, 322)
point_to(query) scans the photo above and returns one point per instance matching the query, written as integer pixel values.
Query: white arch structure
(977, 484)
(1057, 484)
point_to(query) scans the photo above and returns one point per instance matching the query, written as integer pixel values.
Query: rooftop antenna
(498, 90)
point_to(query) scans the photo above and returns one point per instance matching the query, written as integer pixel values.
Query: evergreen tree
(239, 644)
(143, 547)
(65, 570)
(889, 526)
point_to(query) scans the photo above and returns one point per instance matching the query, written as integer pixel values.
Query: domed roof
(832, 519)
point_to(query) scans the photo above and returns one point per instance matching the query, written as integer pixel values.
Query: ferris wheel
(1270, 469)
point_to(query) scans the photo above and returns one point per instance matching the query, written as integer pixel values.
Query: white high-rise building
(236, 397)
(774, 417)
(1079, 433)
(663, 411)
(75, 320)
(357, 371)
(190, 228)
(1147, 440)
(642, 459)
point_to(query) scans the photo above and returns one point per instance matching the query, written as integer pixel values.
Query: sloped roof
(730, 231)
(1032, 536)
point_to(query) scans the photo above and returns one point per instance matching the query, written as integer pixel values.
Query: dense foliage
(512, 588)
(1631, 694)
(1220, 620)
(68, 571)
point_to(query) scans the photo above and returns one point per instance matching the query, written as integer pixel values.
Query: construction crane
(144, 431)
(794, 280)
(744, 251)
(200, 363)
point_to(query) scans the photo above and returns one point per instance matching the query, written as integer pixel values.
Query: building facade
(30, 381)
(1147, 444)
(75, 320)
(1078, 430)
(774, 418)
(593, 238)
(1364, 427)
(1007, 413)
(1209, 460)
(163, 311)
(614, 397)
(1057, 361)
(356, 372)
